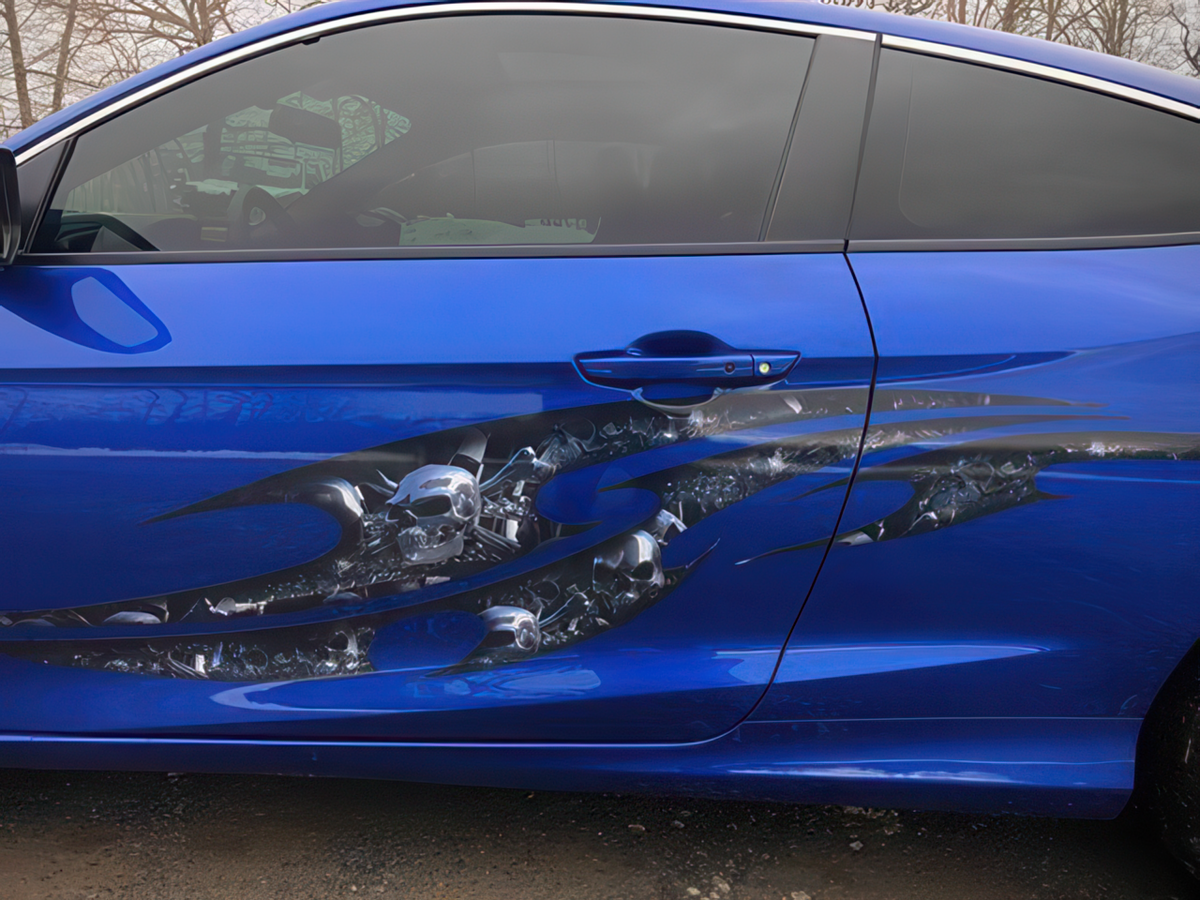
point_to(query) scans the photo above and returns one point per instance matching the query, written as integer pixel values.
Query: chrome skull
(513, 632)
(434, 506)
(629, 568)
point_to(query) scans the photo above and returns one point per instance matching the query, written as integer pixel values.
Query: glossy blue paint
(993, 765)
(1095, 567)
(956, 305)
(416, 312)
(273, 369)
(426, 642)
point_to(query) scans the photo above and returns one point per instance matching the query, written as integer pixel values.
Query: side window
(476, 130)
(956, 150)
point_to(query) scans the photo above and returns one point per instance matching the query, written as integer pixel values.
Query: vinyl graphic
(478, 546)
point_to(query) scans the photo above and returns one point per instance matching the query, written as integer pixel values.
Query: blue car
(768, 400)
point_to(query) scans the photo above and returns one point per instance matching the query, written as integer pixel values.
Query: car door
(1021, 538)
(434, 379)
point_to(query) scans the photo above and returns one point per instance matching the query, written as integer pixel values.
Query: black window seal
(510, 251)
(862, 140)
(60, 168)
(801, 165)
(1101, 242)
(773, 197)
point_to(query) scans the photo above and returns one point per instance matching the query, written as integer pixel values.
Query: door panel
(1021, 537)
(216, 527)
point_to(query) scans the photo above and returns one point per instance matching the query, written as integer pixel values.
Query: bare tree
(1014, 16)
(20, 73)
(54, 52)
(926, 8)
(1135, 29)
(956, 11)
(1113, 25)
(1052, 11)
(64, 56)
(1189, 47)
(180, 25)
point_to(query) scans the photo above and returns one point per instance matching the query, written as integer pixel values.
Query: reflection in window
(285, 150)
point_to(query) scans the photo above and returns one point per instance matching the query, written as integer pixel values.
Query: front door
(505, 458)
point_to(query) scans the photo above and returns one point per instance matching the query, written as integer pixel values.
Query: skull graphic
(628, 569)
(513, 632)
(434, 507)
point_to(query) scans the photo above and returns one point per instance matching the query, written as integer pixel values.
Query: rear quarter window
(962, 151)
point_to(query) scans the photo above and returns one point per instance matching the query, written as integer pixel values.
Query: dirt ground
(104, 835)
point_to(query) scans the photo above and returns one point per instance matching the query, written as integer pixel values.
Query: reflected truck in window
(795, 403)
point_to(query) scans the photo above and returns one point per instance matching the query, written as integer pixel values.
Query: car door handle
(684, 357)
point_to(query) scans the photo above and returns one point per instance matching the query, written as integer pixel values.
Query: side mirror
(10, 208)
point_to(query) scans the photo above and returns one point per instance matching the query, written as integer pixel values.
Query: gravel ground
(102, 835)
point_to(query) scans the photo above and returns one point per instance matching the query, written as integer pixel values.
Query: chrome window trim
(321, 29)
(1100, 85)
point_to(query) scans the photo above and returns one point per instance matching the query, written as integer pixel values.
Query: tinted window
(956, 150)
(497, 129)
(817, 188)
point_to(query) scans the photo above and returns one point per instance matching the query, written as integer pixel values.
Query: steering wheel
(251, 207)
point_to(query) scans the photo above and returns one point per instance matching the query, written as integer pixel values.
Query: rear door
(436, 379)
(1021, 538)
